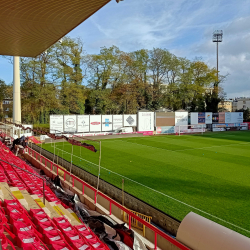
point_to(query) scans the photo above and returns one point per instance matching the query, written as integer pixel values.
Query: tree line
(66, 80)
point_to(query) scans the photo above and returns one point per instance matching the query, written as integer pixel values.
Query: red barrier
(112, 202)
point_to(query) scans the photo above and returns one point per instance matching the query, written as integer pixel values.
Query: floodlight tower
(217, 38)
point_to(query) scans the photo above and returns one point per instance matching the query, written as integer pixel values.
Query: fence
(135, 223)
(131, 216)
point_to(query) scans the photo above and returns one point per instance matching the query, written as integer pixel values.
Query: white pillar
(16, 91)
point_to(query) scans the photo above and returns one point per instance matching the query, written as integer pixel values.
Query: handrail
(29, 173)
(112, 202)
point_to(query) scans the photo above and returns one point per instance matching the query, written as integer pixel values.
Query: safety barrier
(131, 215)
(135, 223)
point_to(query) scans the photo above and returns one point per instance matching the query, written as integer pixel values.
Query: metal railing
(134, 222)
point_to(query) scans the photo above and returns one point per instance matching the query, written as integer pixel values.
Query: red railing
(111, 202)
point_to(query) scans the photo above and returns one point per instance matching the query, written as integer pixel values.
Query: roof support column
(16, 91)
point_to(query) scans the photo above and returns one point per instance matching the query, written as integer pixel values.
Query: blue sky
(184, 27)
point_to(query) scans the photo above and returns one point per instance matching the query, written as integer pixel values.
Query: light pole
(217, 38)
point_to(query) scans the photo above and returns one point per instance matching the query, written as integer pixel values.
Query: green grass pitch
(208, 174)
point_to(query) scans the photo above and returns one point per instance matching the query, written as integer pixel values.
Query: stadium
(140, 180)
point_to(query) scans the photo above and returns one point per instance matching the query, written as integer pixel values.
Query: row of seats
(35, 229)
(21, 179)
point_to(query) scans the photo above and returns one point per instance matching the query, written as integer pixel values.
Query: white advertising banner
(107, 122)
(117, 121)
(95, 123)
(194, 118)
(181, 118)
(70, 124)
(208, 118)
(236, 117)
(228, 117)
(82, 123)
(146, 121)
(56, 123)
(129, 120)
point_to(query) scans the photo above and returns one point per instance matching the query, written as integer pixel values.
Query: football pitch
(208, 174)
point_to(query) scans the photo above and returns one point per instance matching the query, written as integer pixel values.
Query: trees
(66, 80)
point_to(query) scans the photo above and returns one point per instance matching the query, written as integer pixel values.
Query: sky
(184, 27)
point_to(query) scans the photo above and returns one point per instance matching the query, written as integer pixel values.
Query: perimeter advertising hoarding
(209, 118)
(165, 130)
(222, 117)
(95, 123)
(237, 117)
(146, 121)
(201, 118)
(129, 120)
(164, 119)
(70, 124)
(107, 123)
(181, 118)
(117, 121)
(82, 123)
(228, 117)
(215, 118)
(194, 118)
(56, 123)
(219, 129)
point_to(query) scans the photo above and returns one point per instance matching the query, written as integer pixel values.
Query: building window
(244, 107)
(7, 109)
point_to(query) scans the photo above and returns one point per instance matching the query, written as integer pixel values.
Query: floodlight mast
(217, 38)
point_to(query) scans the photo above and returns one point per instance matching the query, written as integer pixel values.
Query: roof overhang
(29, 27)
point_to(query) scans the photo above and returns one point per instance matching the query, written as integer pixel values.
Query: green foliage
(66, 80)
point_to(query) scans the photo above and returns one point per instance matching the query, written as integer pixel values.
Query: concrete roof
(29, 27)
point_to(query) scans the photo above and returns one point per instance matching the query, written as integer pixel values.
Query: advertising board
(237, 117)
(107, 122)
(209, 118)
(95, 123)
(164, 119)
(181, 118)
(82, 123)
(145, 121)
(219, 129)
(56, 124)
(201, 117)
(70, 124)
(222, 117)
(194, 118)
(215, 118)
(129, 120)
(117, 121)
(228, 117)
(165, 130)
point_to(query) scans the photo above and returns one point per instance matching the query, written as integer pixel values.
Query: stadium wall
(159, 218)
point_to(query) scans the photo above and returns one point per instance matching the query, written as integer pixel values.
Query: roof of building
(29, 27)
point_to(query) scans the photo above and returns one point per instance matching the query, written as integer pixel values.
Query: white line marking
(213, 216)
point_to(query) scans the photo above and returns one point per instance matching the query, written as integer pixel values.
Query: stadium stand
(29, 223)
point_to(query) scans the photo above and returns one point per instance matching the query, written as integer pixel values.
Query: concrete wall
(159, 218)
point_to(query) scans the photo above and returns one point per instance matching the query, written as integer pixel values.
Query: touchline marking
(186, 148)
(170, 197)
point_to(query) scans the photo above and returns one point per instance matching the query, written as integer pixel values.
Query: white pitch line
(170, 197)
